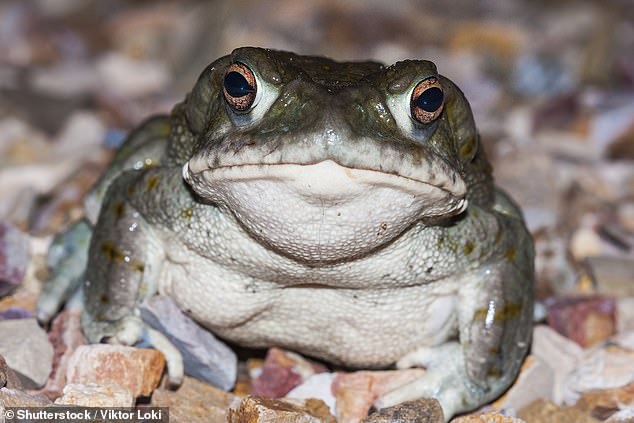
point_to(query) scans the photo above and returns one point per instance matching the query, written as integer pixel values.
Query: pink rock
(137, 369)
(14, 257)
(66, 336)
(356, 392)
(282, 371)
(584, 320)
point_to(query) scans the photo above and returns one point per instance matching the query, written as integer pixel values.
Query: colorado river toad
(345, 210)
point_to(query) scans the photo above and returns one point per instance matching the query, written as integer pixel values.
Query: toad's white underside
(324, 212)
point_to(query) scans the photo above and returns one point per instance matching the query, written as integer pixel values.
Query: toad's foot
(445, 379)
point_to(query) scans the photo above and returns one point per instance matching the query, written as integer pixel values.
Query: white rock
(93, 395)
(560, 353)
(316, 386)
(128, 77)
(27, 350)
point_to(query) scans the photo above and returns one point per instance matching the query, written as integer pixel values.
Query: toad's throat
(324, 212)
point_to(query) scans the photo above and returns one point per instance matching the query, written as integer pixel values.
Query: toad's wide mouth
(325, 212)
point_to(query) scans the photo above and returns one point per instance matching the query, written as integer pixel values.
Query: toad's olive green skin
(326, 220)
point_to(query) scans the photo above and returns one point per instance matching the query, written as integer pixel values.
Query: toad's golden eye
(240, 87)
(427, 100)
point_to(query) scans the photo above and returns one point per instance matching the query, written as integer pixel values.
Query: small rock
(356, 392)
(265, 410)
(15, 313)
(626, 215)
(14, 257)
(17, 398)
(601, 368)
(612, 276)
(542, 411)
(8, 377)
(560, 353)
(622, 416)
(281, 372)
(597, 402)
(204, 356)
(27, 350)
(195, 402)
(624, 314)
(585, 242)
(137, 369)
(535, 381)
(426, 410)
(586, 321)
(65, 336)
(93, 395)
(487, 418)
(130, 77)
(317, 386)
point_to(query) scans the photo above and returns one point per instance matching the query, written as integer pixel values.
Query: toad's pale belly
(356, 327)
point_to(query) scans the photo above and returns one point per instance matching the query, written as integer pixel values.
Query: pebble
(129, 77)
(612, 276)
(17, 398)
(585, 320)
(426, 410)
(535, 381)
(15, 313)
(560, 353)
(600, 368)
(612, 400)
(625, 314)
(317, 386)
(14, 257)
(65, 336)
(266, 410)
(356, 392)
(8, 378)
(487, 418)
(27, 350)
(204, 356)
(195, 402)
(93, 395)
(542, 411)
(136, 369)
(282, 371)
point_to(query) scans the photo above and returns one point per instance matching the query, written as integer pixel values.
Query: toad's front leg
(495, 326)
(124, 266)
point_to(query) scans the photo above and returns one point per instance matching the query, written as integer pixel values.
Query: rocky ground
(552, 88)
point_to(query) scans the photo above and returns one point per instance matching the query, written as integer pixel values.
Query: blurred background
(551, 84)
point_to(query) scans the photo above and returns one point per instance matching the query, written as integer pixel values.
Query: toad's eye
(240, 87)
(427, 100)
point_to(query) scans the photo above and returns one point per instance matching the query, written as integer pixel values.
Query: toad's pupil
(430, 99)
(237, 85)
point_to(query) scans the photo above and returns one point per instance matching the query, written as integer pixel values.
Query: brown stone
(487, 418)
(8, 378)
(195, 402)
(17, 398)
(586, 321)
(356, 392)
(137, 369)
(602, 403)
(542, 411)
(65, 336)
(425, 410)
(266, 410)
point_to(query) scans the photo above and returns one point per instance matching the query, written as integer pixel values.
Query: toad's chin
(324, 212)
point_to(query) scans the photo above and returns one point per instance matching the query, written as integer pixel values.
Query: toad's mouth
(324, 212)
